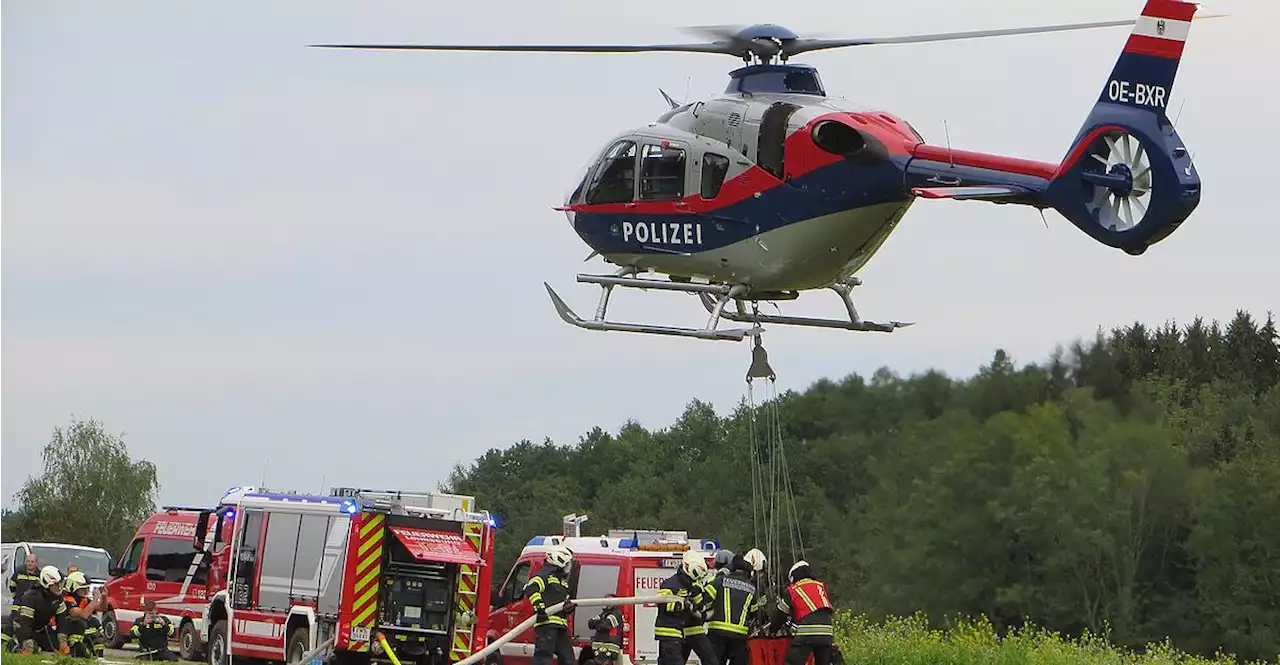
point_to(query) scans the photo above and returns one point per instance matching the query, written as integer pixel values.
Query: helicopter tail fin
(1128, 179)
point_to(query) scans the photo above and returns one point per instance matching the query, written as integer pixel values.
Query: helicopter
(774, 188)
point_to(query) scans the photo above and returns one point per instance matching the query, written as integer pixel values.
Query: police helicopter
(774, 188)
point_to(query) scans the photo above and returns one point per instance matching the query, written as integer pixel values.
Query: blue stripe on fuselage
(840, 186)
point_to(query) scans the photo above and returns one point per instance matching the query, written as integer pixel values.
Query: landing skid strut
(714, 297)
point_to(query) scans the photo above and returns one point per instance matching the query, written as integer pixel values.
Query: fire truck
(622, 562)
(286, 574)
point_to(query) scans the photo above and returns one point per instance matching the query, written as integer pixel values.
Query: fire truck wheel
(111, 630)
(299, 643)
(189, 641)
(218, 643)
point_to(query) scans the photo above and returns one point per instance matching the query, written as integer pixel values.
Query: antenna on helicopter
(951, 157)
(673, 103)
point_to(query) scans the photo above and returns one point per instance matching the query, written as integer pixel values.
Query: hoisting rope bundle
(775, 520)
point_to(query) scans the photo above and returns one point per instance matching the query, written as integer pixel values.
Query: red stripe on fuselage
(1170, 9)
(982, 160)
(802, 157)
(1154, 46)
(1081, 146)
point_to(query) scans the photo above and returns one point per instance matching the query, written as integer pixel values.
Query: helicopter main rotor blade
(807, 45)
(714, 47)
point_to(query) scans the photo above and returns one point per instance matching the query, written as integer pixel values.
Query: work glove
(568, 608)
(542, 616)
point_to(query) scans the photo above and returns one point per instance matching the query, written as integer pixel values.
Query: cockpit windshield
(615, 180)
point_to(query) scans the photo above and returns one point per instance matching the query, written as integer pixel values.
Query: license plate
(359, 633)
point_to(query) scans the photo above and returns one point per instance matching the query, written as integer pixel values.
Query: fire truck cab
(309, 571)
(623, 562)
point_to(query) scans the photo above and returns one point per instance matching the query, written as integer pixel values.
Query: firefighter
(806, 603)
(22, 579)
(84, 635)
(41, 613)
(680, 627)
(723, 563)
(756, 562)
(548, 587)
(734, 601)
(606, 645)
(152, 632)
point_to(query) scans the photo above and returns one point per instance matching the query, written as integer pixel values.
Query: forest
(1127, 486)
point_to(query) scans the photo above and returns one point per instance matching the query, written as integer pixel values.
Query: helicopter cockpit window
(615, 181)
(714, 169)
(802, 81)
(661, 173)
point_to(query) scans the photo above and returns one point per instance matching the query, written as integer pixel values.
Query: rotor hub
(1122, 182)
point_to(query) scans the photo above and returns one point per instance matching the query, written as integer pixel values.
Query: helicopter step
(716, 298)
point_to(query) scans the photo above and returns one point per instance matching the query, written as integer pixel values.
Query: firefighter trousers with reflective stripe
(802, 646)
(672, 651)
(552, 641)
(730, 649)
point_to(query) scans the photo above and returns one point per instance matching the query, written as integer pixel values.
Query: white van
(94, 562)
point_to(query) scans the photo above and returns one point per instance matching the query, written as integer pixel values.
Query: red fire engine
(286, 573)
(624, 562)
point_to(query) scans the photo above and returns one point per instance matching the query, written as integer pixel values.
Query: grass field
(910, 641)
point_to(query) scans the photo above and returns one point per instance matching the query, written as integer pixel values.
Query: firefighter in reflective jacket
(84, 636)
(39, 610)
(806, 603)
(548, 587)
(22, 579)
(606, 645)
(680, 627)
(733, 604)
(152, 632)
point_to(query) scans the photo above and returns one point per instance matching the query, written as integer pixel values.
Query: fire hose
(511, 634)
(579, 602)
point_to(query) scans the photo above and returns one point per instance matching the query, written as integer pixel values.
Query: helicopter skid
(715, 298)
(855, 322)
(718, 294)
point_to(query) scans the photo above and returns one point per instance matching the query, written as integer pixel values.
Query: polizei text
(664, 233)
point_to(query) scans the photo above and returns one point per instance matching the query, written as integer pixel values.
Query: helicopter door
(771, 148)
(664, 170)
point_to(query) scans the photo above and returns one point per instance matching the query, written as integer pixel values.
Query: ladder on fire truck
(775, 520)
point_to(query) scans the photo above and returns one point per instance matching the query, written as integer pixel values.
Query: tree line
(1128, 486)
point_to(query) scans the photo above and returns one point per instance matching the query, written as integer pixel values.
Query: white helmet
(559, 556)
(755, 558)
(49, 576)
(799, 567)
(693, 565)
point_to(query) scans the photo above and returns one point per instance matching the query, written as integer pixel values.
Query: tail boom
(1128, 180)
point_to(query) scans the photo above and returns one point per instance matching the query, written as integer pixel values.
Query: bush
(912, 641)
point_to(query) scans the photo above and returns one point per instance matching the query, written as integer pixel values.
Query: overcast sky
(325, 267)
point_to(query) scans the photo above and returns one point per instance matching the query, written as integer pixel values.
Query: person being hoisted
(548, 587)
(606, 645)
(40, 609)
(806, 603)
(734, 604)
(680, 627)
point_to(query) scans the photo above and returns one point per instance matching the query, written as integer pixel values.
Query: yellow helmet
(75, 581)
